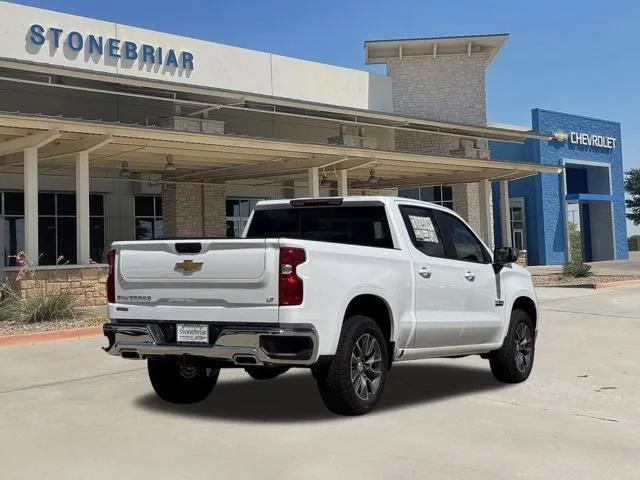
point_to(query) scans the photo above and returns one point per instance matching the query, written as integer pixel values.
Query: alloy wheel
(366, 361)
(523, 351)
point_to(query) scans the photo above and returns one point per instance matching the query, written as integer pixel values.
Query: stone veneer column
(449, 88)
(215, 211)
(193, 210)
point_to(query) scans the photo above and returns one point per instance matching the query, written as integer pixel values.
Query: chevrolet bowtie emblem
(188, 266)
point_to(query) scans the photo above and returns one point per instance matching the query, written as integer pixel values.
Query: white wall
(215, 65)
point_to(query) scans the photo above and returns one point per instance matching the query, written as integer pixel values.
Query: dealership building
(110, 132)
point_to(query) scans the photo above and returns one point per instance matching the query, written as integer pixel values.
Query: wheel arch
(379, 310)
(528, 305)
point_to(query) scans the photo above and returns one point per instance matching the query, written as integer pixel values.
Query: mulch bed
(17, 328)
(558, 280)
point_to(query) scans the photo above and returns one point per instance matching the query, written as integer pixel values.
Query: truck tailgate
(233, 280)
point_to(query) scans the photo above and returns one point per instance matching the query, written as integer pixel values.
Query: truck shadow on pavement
(294, 395)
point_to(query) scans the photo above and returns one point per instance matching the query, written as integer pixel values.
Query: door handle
(424, 272)
(469, 276)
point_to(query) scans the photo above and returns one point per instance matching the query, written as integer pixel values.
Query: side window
(423, 230)
(463, 244)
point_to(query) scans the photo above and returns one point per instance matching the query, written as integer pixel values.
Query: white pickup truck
(343, 286)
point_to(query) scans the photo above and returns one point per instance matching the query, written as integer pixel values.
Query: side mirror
(505, 255)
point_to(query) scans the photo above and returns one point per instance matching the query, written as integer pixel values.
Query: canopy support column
(486, 217)
(314, 183)
(505, 214)
(31, 248)
(82, 208)
(343, 183)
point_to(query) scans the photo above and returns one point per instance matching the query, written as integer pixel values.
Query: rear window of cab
(353, 225)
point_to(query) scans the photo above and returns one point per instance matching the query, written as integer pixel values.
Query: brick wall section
(215, 212)
(193, 210)
(448, 88)
(87, 284)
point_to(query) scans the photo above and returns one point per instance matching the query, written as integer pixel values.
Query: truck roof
(387, 200)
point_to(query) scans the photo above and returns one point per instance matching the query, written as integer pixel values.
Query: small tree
(576, 266)
(632, 187)
(575, 243)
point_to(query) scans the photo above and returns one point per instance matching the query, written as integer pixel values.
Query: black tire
(181, 379)
(514, 361)
(265, 373)
(352, 387)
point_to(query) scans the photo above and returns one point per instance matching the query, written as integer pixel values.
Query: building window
(148, 217)
(56, 227)
(13, 211)
(518, 223)
(440, 195)
(238, 211)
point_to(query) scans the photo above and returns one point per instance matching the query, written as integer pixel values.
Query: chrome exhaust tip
(243, 360)
(130, 354)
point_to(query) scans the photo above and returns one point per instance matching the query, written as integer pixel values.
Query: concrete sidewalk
(631, 266)
(69, 411)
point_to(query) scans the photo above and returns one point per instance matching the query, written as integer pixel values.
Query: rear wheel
(354, 380)
(265, 373)
(514, 361)
(181, 379)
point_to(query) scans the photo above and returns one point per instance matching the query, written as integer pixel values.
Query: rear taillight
(291, 287)
(111, 278)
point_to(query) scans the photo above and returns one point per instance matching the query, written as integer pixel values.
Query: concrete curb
(621, 283)
(39, 337)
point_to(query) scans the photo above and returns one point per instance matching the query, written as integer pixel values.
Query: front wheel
(354, 380)
(181, 379)
(514, 361)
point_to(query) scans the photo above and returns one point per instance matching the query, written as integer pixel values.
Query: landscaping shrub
(577, 269)
(576, 266)
(39, 306)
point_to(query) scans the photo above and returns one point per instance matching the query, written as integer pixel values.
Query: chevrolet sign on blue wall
(111, 47)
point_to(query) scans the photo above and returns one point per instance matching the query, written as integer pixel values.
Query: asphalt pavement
(69, 411)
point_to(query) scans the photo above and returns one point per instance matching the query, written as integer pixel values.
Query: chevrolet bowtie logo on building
(560, 136)
(188, 266)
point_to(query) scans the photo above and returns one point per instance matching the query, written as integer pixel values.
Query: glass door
(518, 225)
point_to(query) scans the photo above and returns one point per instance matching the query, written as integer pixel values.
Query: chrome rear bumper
(240, 345)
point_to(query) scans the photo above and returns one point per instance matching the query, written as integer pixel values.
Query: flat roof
(378, 51)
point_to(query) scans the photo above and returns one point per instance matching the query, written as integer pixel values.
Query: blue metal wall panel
(554, 153)
(544, 205)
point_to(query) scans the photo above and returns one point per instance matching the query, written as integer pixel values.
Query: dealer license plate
(192, 333)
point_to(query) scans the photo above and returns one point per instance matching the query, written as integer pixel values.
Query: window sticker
(423, 229)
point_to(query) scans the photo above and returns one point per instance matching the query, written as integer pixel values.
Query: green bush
(577, 269)
(575, 243)
(634, 243)
(40, 306)
(576, 266)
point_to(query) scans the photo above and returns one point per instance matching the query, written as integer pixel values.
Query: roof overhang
(220, 158)
(195, 99)
(378, 51)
